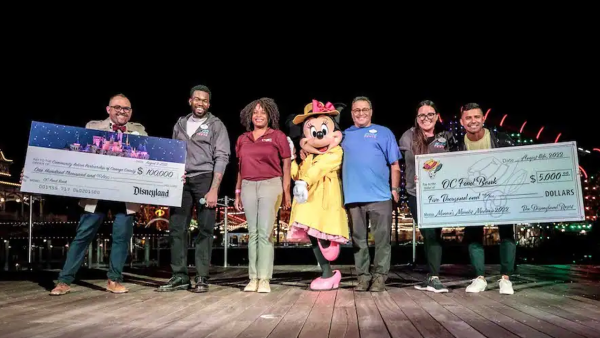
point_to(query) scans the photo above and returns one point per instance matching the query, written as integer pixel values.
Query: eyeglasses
(364, 110)
(429, 116)
(123, 109)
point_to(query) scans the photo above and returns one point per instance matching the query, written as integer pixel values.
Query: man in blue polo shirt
(370, 151)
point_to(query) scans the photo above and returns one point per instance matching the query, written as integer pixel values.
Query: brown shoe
(116, 287)
(363, 285)
(60, 289)
(378, 284)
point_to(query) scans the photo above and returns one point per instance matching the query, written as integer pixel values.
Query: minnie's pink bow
(318, 107)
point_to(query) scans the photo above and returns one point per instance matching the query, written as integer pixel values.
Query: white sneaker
(478, 285)
(263, 286)
(252, 286)
(505, 287)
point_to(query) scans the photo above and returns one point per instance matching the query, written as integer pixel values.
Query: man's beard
(197, 114)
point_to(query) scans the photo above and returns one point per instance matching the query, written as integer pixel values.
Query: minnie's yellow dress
(323, 215)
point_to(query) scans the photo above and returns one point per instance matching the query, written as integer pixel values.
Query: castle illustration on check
(112, 147)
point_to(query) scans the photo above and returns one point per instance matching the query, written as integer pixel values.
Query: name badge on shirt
(267, 140)
(440, 143)
(371, 134)
(203, 132)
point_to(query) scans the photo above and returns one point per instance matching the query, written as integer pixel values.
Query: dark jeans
(194, 189)
(86, 231)
(508, 249)
(432, 238)
(380, 216)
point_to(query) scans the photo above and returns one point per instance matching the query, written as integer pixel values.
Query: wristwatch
(397, 189)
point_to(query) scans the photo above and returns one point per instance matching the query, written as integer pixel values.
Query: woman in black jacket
(424, 138)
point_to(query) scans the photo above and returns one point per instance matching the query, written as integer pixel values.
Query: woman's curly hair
(268, 105)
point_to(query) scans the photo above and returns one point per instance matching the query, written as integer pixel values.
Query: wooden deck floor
(549, 301)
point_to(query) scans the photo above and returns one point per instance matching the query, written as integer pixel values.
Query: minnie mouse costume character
(318, 207)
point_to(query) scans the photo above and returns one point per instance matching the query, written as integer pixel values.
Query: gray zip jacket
(208, 149)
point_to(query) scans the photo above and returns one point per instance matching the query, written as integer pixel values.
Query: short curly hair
(268, 105)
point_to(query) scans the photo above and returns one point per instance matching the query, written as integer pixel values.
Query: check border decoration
(522, 184)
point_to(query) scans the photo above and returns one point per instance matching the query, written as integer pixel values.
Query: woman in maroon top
(263, 184)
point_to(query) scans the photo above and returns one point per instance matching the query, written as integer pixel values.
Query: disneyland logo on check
(151, 193)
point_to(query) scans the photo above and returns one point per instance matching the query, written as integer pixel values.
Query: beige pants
(261, 200)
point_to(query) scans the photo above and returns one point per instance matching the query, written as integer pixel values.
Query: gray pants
(380, 216)
(261, 200)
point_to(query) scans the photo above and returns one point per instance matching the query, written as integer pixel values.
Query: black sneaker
(423, 285)
(432, 284)
(201, 285)
(174, 284)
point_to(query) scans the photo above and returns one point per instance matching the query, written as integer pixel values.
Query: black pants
(379, 214)
(508, 249)
(194, 189)
(432, 238)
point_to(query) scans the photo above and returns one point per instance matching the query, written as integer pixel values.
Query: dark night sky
(533, 77)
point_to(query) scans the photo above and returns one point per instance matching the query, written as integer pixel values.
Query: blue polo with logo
(368, 154)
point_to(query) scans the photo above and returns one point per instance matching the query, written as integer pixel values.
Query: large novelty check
(523, 184)
(87, 163)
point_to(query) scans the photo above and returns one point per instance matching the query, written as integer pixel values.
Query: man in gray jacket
(208, 153)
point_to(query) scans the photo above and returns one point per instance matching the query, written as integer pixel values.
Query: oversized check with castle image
(522, 184)
(87, 163)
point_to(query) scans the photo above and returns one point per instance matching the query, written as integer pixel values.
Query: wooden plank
(517, 324)
(344, 322)
(370, 322)
(396, 321)
(566, 303)
(202, 323)
(479, 323)
(71, 320)
(249, 313)
(293, 321)
(218, 306)
(174, 310)
(344, 298)
(592, 302)
(471, 316)
(546, 303)
(267, 321)
(60, 305)
(508, 316)
(319, 320)
(427, 326)
(546, 313)
(452, 323)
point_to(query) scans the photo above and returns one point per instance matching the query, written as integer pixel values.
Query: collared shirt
(368, 154)
(261, 159)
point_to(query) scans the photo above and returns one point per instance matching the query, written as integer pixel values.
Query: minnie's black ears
(294, 130)
(339, 107)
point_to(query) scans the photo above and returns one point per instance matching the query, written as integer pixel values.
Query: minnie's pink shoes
(324, 284)
(332, 252)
